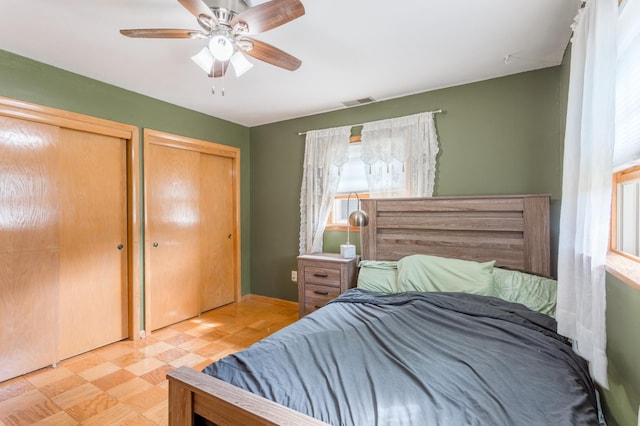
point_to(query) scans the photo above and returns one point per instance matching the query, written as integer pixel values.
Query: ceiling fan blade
(269, 15)
(272, 55)
(197, 8)
(219, 68)
(162, 33)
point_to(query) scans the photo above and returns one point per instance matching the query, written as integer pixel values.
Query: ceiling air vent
(362, 101)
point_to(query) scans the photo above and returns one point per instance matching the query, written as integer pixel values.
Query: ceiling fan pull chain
(213, 90)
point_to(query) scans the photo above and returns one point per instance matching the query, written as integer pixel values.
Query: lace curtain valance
(399, 155)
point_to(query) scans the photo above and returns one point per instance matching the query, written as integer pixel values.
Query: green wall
(27, 80)
(501, 136)
(623, 351)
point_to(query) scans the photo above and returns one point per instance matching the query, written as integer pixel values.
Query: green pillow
(379, 276)
(535, 292)
(431, 273)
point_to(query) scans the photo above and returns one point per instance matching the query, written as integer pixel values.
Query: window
(394, 158)
(352, 179)
(625, 218)
(626, 213)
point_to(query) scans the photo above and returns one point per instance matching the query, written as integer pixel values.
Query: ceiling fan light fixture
(240, 63)
(204, 59)
(221, 47)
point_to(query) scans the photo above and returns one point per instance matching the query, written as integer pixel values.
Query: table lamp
(356, 218)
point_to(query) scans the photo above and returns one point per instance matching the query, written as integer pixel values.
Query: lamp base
(348, 251)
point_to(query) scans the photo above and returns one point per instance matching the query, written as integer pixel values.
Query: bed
(404, 348)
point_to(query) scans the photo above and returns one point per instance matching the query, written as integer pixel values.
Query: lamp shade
(240, 63)
(358, 218)
(204, 59)
(221, 47)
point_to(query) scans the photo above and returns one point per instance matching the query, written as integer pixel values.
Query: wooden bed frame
(513, 230)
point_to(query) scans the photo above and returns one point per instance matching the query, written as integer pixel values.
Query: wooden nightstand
(322, 277)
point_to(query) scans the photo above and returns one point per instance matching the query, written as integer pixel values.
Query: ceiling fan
(227, 24)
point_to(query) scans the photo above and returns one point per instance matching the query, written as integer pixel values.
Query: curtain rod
(438, 111)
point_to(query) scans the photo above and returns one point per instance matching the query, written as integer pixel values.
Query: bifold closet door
(29, 239)
(93, 241)
(217, 229)
(173, 229)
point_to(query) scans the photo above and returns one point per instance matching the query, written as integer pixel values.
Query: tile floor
(124, 383)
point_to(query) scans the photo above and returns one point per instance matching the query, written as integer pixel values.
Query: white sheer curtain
(400, 156)
(325, 153)
(586, 187)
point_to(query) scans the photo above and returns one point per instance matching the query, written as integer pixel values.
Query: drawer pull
(324, 293)
(321, 275)
(317, 307)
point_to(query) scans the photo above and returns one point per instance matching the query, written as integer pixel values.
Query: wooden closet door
(217, 229)
(173, 234)
(93, 237)
(28, 246)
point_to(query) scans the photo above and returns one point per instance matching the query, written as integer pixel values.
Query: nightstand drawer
(313, 305)
(316, 296)
(322, 276)
(321, 292)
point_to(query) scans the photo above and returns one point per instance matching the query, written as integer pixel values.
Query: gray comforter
(419, 359)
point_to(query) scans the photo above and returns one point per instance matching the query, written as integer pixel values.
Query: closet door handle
(120, 246)
(155, 244)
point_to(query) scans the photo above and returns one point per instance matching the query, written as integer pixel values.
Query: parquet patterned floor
(124, 383)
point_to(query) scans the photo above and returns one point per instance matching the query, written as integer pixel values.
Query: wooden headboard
(513, 230)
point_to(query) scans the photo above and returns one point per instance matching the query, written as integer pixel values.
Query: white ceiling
(350, 49)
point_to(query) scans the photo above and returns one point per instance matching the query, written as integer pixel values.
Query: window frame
(626, 175)
(623, 266)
